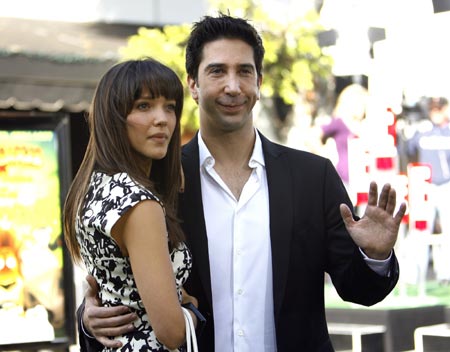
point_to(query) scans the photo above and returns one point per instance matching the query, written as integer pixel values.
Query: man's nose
(233, 85)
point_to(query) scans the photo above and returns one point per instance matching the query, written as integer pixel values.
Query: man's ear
(260, 79)
(192, 84)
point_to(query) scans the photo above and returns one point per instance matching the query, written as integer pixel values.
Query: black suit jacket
(308, 238)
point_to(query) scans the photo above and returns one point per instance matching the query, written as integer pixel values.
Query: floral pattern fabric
(107, 199)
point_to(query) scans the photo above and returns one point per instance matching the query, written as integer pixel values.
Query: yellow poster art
(31, 258)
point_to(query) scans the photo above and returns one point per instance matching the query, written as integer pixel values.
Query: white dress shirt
(239, 257)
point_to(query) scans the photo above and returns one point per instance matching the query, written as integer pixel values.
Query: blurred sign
(32, 300)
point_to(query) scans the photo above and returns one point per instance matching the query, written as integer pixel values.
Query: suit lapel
(281, 215)
(280, 208)
(191, 206)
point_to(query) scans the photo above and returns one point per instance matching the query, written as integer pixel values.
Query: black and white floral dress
(107, 199)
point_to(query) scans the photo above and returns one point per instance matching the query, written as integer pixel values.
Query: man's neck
(232, 153)
(231, 149)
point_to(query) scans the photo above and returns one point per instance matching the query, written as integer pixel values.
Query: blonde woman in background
(343, 124)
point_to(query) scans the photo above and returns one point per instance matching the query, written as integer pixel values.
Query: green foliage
(293, 63)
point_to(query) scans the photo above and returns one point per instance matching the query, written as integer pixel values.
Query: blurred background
(376, 67)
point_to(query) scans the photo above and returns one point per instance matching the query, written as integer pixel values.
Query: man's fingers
(373, 194)
(400, 213)
(115, 314)
(392, 200)
(93, 285)
(346, 214)
(109, 342)
(114, 331)
(105, 323)
(384, 196)
(103, 334)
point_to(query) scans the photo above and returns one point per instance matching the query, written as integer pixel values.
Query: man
(431, 145)
(263, 222)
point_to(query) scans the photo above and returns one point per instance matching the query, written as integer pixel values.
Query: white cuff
(381, 267)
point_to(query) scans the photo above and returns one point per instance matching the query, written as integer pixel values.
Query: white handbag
(191, 337)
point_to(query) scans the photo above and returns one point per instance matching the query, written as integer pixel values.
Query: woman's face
(150, 126)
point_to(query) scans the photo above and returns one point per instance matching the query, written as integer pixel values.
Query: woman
(345, 123)
(120, 212)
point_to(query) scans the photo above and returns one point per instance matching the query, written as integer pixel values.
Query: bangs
(158, 80)
(128, 80)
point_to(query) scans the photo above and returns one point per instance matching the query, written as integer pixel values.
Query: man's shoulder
(278, 149)
(190, 148)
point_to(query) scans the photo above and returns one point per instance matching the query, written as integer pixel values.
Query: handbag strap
(191, 337)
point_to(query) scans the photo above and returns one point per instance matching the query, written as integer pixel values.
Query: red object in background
(392, 129)
(421, 225)
(362, 198)
(384, 163)
(405, 219)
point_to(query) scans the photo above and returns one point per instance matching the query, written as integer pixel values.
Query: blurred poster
(31, 253)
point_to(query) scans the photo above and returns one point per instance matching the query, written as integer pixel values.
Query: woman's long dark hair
(109, 149)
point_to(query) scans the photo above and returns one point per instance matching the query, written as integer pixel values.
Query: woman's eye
(142, 106)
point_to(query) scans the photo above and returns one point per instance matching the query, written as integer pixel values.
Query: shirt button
(240, 333)
(239, 292)
(238, 252)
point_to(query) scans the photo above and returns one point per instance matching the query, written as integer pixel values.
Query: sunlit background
(414, 54)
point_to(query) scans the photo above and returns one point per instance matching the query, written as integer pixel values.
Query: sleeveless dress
(107, 199)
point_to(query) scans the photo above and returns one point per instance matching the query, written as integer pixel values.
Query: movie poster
(31, 257)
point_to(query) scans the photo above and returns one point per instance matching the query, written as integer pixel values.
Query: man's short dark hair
(210, 28)
(437, 103)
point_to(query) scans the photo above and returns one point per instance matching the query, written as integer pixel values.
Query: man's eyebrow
(215, 65)
(248, 66)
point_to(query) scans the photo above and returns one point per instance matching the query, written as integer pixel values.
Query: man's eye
(246, 71)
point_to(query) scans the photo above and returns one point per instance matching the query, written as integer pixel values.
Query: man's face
(227, 87)
(439, 115)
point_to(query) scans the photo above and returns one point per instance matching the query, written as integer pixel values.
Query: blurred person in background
(431, 145)
(344, 123)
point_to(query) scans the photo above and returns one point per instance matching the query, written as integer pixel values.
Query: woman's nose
(161, 118)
